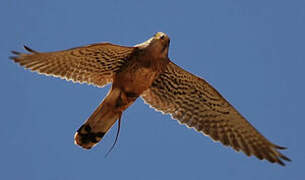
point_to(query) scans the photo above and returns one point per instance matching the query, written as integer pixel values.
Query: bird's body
(128, 84)
(146, 71)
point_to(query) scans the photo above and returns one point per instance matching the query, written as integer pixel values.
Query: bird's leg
(116, 137)
(122, 102)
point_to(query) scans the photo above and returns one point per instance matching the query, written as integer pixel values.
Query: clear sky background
(251, 51)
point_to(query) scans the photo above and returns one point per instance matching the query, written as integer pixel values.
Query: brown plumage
(145, 70)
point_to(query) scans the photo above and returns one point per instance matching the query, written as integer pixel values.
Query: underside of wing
(94, 64)
(195, 103)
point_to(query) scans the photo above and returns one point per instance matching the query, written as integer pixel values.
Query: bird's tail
(103, 118)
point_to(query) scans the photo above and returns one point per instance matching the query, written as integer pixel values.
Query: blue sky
(251, 51)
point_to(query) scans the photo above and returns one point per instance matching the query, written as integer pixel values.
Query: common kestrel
(145, 70)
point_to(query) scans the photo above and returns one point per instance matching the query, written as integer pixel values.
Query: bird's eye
(162, 37)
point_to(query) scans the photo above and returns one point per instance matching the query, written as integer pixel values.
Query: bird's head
(159, 44)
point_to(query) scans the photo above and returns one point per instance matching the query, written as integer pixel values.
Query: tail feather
(98, 124)
(85, 138)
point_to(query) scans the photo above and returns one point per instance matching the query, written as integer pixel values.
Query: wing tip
(26, 48)
(279, 147)
(29, 49)
(280, 156)
(17, 54)
(13, 57)
(280, 162)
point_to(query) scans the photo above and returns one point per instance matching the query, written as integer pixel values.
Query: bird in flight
(145, 71)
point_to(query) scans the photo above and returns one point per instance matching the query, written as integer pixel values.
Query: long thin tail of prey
(98, 124)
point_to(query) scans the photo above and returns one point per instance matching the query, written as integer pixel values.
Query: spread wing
(94, 64)
(192, 101)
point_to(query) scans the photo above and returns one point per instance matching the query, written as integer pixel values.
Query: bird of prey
(145, 71)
